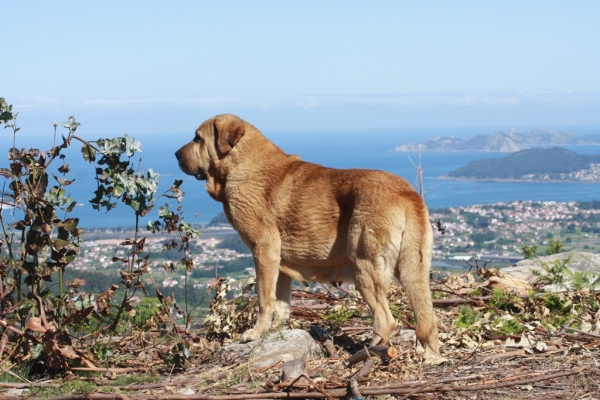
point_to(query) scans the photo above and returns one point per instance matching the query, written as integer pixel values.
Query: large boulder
(279, 346)
(579, 261)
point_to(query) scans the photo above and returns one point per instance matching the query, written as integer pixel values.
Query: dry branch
(514, 353)
(458, 300)
(472, 388)
(365, 369)
(115, 370)
(379, 390)
(14, 385)
(324, 338)
(355, 389)
(381, 351)
(160, 384)
(590, 334)
(328, 344)
(4, 324)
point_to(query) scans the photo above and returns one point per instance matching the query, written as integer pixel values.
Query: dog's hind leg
(367, 251)
(413, 273)
(372, 283)
(284, 297)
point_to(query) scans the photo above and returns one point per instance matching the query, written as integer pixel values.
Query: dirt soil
(497, 343)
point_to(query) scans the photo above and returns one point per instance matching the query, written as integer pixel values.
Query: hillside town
(97, 255)
(500, 230)
(590, 175)
(485, 232)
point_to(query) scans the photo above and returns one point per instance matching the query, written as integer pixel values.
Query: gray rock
(187, 391)
(293, 369)
(279, 346)
(406, 335)
(580, 261)
(11, 393)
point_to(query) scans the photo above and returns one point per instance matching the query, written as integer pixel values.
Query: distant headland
(502, 142)
(534, 165)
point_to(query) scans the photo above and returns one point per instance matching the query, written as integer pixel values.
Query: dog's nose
(178, 153)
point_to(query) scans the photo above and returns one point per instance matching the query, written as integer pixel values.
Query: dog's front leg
(266, 262)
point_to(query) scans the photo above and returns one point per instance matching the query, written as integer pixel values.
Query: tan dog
(310, 223)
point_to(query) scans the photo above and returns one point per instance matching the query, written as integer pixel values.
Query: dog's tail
(413, 271)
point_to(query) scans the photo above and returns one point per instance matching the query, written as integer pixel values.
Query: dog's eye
(197, 139)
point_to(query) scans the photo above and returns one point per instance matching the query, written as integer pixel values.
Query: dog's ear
(229, 129)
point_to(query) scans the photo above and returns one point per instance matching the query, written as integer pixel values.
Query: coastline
(452, 151)
(501, 180)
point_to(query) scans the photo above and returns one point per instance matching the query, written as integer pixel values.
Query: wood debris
(499, 342)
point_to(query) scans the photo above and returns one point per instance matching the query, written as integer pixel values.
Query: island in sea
(548, 165)
(503, 142)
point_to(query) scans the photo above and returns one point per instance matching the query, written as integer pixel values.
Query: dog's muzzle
(201, 176)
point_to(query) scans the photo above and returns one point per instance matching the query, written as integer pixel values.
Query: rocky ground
(502, 336)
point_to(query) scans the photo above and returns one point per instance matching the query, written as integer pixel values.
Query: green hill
(554, 163)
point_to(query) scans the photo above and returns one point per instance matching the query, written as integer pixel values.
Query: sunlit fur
(307, 222)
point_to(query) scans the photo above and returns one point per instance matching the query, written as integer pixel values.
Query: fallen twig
(378, 390)
(381, 351)
(584, 333)
(19, 332)
(458, 300)
(514, 353)
(355, 328)
(15, 385)
(303, 375)
(323, 337)
(472, 388)
(99, 369)
(354, 389)
(159, 384)
(365, 369)
(425, 385)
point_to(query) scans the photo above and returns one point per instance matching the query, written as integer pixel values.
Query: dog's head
(204, 155)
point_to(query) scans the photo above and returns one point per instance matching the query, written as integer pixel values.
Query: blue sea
(364, 149)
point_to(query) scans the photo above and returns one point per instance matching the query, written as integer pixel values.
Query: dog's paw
(432, 357)
(282, 310)
(250, 335)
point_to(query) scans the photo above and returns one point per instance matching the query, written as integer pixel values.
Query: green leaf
(132, 146)
(69, 258)
(71, 223)
(26, 304)
(5, 172)
(59, 243)
(118, 191)
(36, 350)
(89, 153)
(71, 124)
(71, 206)
(163, 211)
(135, 205)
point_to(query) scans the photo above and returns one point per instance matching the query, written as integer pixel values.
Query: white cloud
(452, 99)
(510, 101)
(185, 102)
(308, 104)
(29, 102)
(108, 102)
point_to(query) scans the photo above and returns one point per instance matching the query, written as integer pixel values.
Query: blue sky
(149, 67)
